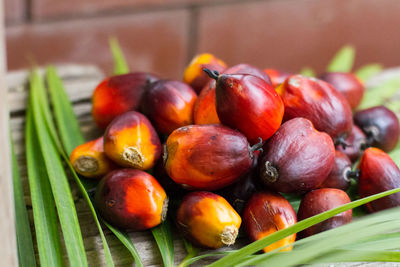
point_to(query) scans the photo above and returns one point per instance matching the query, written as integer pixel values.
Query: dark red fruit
(168, 104)
(378, 173)
(318, 102)
(321, 200)
(348, 84)
(277, 77)
(248, 69)
(131, 199)
(117, 95)
(207, 156)
(381, 126)
(297, 158)
(239, 193)
(249, 104)
(356, 144)
(341, 173)
(204, 110)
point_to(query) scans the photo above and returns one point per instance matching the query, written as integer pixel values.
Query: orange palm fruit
(277, 77)
(194, 75)
(208, 220)
(117, 95)
(131, 141)
(207, 157)
(131, 199)
(89, 159)
(267, 213)
(168, 104)
(204, 109)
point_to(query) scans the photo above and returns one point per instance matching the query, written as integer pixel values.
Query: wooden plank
(8, 247)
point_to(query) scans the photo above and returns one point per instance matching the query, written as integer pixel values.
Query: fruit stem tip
(212, 73)
(257, 146)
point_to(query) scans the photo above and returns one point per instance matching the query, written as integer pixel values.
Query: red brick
(42, 9)
(14, 11)
(155, 42)
(292, 34)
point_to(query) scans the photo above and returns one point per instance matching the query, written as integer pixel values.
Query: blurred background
(162, 36)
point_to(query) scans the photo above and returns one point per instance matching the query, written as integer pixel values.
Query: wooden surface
(79, 82)
(8, 249)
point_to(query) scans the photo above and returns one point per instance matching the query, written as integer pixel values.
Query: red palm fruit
(131, 141)
(117, 95)
(204, 109)
(131, 199)
(208, 220)
(378, 173)
(356, 143)
(249, 104)
(267, 213)
(277, 77)
(248, 69)
(341, 173)
(90, 161)
(380, 125)
(297, 158)
(194, 75)
(321, 200)
(168, 104)
(348, 84)
(207, 156)
(318, 102)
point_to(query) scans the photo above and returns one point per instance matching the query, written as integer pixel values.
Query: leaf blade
(367, 71)
(343, 60)
(44, 212)
(163, 236)
(62, 119)
(120, 65)
(66, 121)
(124, 238)
(26, 252)
(58, 180)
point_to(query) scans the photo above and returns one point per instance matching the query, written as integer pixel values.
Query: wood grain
(8, 248)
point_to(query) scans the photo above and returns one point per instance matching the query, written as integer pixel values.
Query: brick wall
(162, 35)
